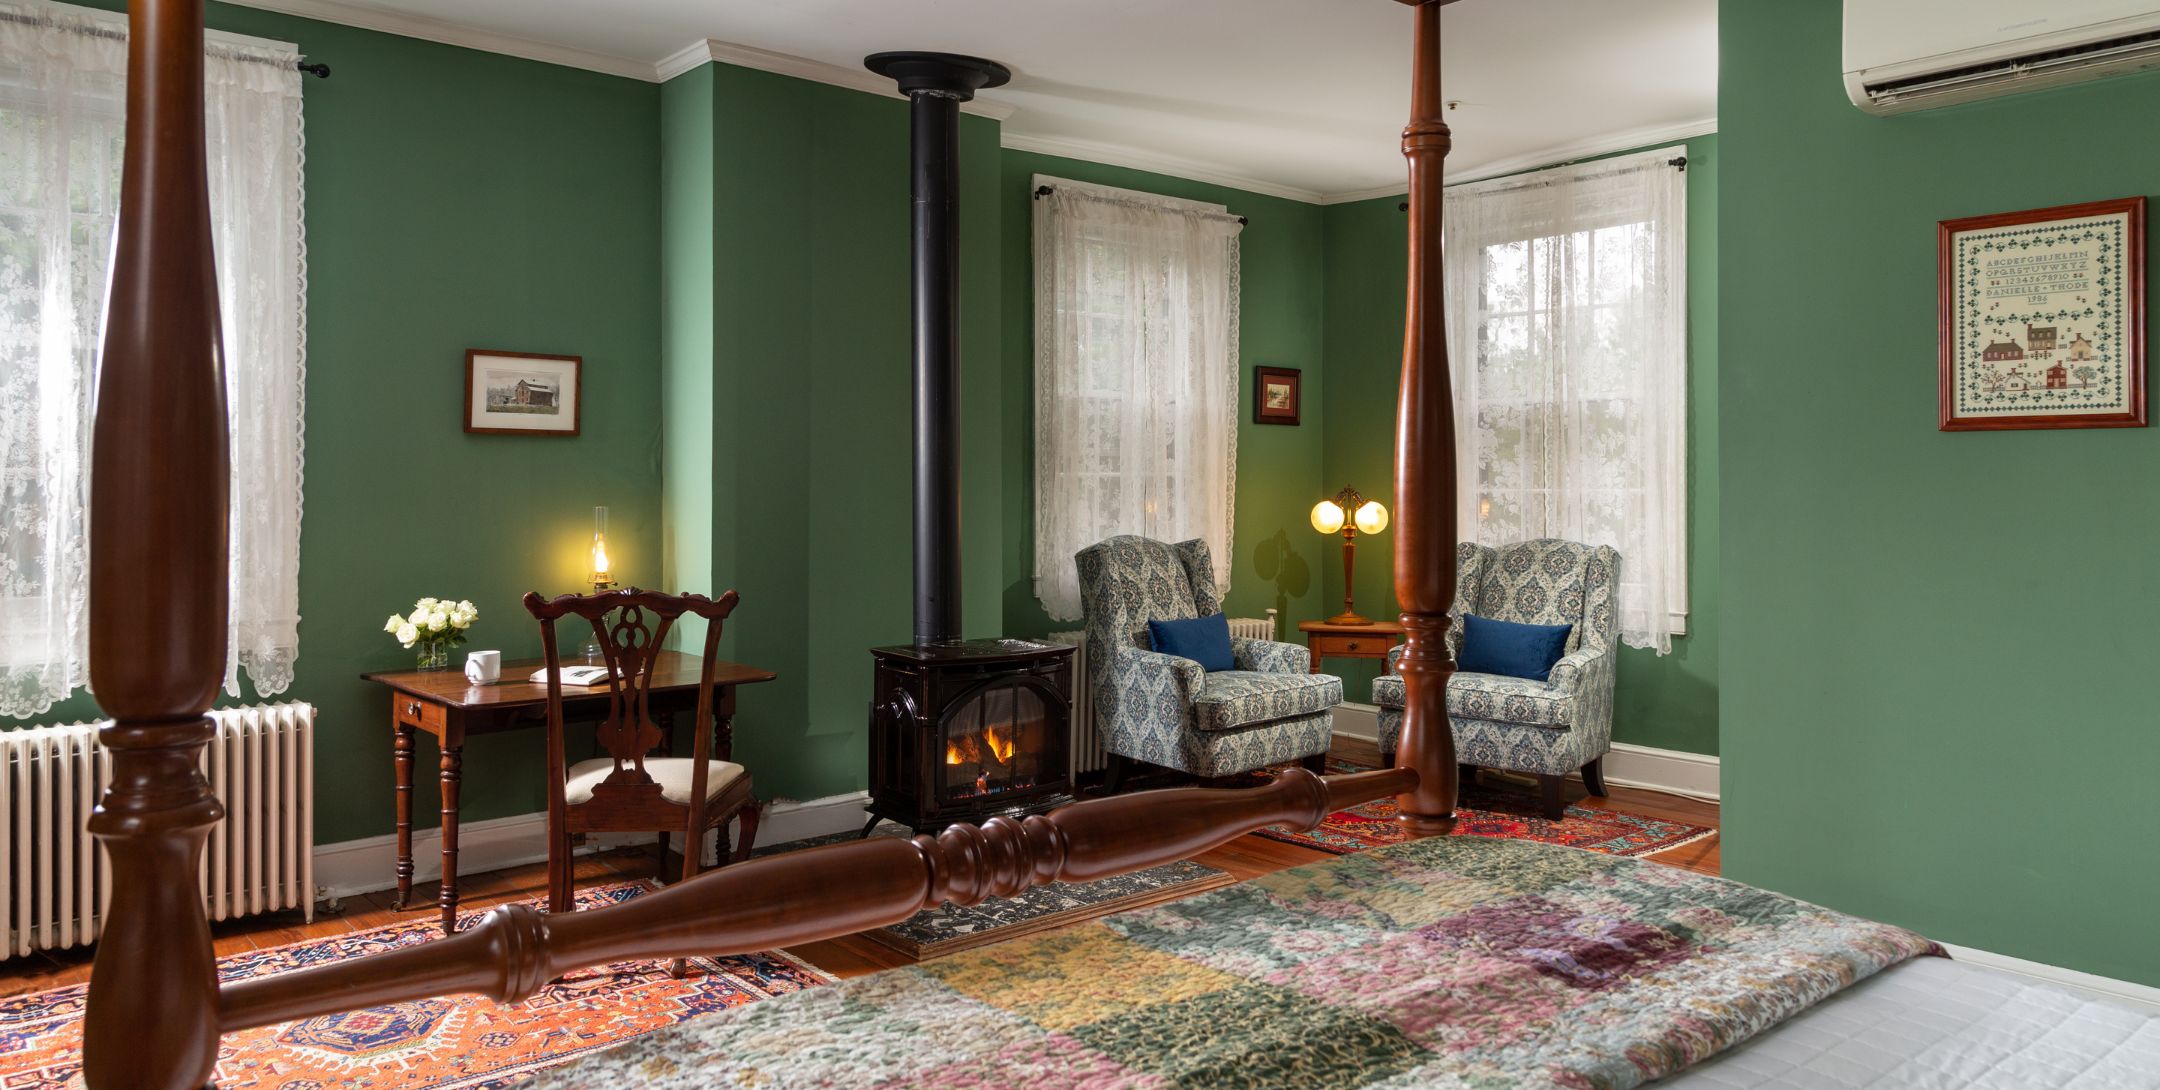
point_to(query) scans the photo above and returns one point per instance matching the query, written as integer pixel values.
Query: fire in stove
(992, 757)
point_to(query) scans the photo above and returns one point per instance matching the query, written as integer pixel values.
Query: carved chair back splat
(629, 790)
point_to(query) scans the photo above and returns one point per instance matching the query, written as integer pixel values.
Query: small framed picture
(520, 393)
(1275, 397)
(2042, 318)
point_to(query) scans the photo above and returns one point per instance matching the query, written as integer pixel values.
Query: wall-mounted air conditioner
(1903, 55)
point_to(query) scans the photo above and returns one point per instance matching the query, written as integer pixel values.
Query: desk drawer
(424, 714)
(1373, 646)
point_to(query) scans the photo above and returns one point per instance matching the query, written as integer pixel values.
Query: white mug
(483, 667)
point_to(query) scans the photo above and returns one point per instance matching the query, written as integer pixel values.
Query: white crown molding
(1548, 157)
(787, 64)
(1136, 159)
(1584, 149)
(444, 33)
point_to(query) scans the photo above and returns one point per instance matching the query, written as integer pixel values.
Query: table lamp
(1349, 513)
(601, 580)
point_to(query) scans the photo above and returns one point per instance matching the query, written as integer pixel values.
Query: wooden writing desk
(442, 703)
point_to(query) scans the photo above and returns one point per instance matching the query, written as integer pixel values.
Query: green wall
(1275, 551)
(795, 363)
(1933, 690)
(458, 199)
(1669, 702)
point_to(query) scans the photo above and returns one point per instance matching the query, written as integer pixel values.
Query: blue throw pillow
(1205, 640)
(1510, 649)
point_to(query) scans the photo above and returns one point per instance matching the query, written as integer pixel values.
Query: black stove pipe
(936, 84)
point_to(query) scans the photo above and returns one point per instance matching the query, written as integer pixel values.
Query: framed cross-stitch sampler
(2042, 318)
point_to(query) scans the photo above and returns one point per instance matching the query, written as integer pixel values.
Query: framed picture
(1275, 396)
(519, 393)
(2042, 318)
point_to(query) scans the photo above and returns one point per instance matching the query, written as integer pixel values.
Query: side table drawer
(424, 714)
(1373, 646)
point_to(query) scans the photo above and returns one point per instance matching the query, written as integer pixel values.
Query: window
(1136, 376)
(63, 76)
(1567, 297)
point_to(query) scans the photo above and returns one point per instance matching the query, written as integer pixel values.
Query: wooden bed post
(1425, 460)
(159, 474)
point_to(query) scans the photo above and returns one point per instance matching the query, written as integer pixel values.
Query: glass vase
(433, 654)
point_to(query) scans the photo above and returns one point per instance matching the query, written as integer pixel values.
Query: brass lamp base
(1349, 619)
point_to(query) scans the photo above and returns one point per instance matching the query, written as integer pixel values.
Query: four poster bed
(1442, 962)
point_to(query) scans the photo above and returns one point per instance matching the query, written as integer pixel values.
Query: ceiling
(1302, 98)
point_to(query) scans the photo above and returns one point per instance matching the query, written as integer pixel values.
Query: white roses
(433, 619)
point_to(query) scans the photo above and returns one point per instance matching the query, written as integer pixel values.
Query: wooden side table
(1350, 641)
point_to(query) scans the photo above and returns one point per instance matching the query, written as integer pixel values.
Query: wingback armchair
(1548, 728)
(1165, 710)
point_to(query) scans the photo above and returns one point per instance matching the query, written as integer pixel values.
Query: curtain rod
(1042, 191)
(1678, 162)
(318, 70)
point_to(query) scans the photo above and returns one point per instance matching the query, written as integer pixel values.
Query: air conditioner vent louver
(1924, 53)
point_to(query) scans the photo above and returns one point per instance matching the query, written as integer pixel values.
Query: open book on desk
(574, 675)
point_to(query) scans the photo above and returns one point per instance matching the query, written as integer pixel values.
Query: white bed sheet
(1936, 1024)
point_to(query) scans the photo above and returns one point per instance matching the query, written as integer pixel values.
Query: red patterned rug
(465, 1042)
(1492, 812)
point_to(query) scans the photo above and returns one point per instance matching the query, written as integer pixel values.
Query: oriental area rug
(462, 1042)
(1486, 811)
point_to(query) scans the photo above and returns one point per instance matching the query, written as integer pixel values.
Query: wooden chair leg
(560, 868)
(1552, 790)
(1316, 764)
(1387, 758)
(693, 855)
(747, 839)
(1114, 776)
(660, 863)
(1593, 777)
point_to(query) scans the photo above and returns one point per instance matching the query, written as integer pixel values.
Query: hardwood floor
(1245, 857)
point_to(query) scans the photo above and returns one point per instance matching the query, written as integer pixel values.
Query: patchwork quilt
(1451, 964)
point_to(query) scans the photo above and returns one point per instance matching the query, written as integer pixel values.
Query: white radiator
(1087, 751)
(259, 859)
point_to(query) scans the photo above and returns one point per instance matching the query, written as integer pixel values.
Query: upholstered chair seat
(1550, 728)
(1164, 710)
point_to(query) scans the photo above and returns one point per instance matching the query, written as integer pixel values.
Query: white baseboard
(363, 866)
(2142, 996)
(1692, 774)
(1359, 721)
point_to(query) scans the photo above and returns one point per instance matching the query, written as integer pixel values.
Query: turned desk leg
(401, 752)
(453, 764)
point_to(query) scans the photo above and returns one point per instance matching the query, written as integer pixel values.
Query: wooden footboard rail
(803, 896)
(158, 573)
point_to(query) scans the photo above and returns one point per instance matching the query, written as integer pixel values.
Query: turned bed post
(158, 500)
(1425, 460)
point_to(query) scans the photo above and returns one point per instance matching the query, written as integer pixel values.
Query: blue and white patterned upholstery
(1550, 727)
(1168, 711)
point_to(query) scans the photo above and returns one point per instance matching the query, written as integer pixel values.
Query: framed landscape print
(1275, 398)
(2042, 318)
(518, 393)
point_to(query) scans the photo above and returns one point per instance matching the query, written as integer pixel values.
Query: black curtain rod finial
(318, 70)
(1680, 161)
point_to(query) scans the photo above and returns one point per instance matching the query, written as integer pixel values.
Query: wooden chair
(629, 791)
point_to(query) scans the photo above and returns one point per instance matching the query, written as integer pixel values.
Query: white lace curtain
(1136, 376)
(1567, 322)
(63, 81)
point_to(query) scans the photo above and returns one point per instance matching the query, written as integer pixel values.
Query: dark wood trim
(577, 399)
(1946, 317)
(1261, 414)
(1425, 458)
(808, 895)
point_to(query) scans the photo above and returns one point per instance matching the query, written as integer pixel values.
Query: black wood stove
(960, 730)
